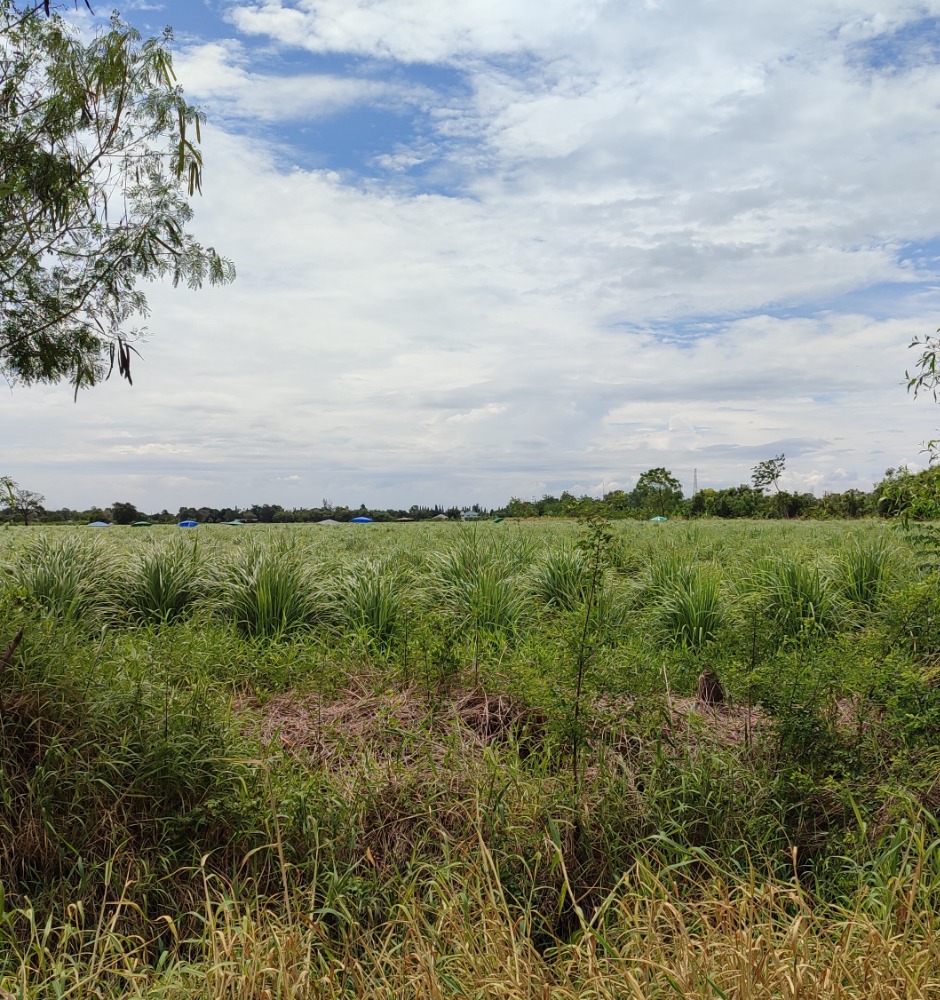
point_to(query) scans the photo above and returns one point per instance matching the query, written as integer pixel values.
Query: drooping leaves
(98, 158)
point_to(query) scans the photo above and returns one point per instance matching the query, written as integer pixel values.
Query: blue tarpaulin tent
(360, 520)
(189, 524)
(99, 524)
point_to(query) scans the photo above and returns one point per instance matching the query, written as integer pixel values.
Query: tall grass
(341, 834)
(864, 571)
(267, 592)
(665, 573)
(166, 583)
(476, 581)
(683, 928)
(68, 576)
(487, 601)
(370, 597)
(561, 578)
(799, 597)
(690, 608)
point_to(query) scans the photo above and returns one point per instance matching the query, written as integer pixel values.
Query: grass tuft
(799, 597)
(690, 607)
(266, 592)
(369, 597)
(561, 578)
(166, 584)
(69, 577)
(864, 571)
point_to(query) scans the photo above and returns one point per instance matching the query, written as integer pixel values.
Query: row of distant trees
(657, 494)
(27, 507)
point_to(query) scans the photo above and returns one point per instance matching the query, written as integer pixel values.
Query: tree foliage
(658, 491)
(926, 375)
(19, 502)
(910, 495)
(98, 160)
(125, 513)
(768, 473)
(926, 378)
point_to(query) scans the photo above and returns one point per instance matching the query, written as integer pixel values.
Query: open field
(444, 760)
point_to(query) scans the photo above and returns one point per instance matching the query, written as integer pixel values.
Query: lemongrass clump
(799, 597)
(476, 581)
(166, 583)
(68, 576)
(370, 598)
(863, 572)
(561, 578)
(665, 573)
(267, 592)
(690, 608)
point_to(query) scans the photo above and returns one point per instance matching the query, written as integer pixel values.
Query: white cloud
(413, 31)
(220, 75)
(151, 448)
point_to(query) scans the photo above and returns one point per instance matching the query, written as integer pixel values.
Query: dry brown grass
(459, 937)
(360, 722)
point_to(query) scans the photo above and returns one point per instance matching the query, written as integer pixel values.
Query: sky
(511, 247)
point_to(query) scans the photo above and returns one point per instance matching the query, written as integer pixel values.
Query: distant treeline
(657, 494)
(267, 513)
(734, 501)
(660, 495)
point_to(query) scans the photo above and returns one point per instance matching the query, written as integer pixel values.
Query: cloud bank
(509, 248)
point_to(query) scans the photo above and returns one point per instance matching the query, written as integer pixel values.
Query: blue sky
(510, 247)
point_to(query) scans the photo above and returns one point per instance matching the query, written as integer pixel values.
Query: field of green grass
(445, 760)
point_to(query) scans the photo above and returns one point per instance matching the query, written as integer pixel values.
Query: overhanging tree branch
(81, 123)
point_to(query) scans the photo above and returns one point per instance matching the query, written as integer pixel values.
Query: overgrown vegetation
(456, 760)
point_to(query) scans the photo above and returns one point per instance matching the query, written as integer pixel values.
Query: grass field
(444, 760)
